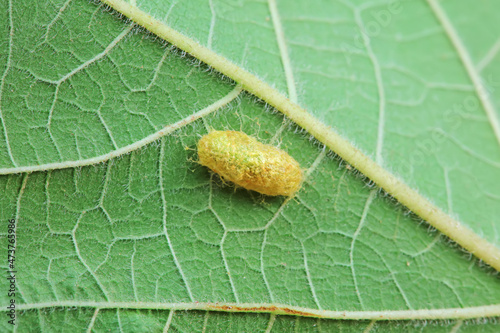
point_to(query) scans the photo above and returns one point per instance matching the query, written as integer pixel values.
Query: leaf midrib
(279, 309)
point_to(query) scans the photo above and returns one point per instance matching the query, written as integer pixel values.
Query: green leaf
(130, 243)
(457, 97)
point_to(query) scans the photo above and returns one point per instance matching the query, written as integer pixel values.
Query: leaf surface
(132, 242)
(392, 77)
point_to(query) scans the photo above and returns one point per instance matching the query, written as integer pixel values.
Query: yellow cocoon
(249, 163)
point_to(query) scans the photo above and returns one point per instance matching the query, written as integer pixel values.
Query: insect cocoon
(249, 163)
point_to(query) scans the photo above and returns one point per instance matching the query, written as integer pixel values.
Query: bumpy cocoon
(248, 163)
